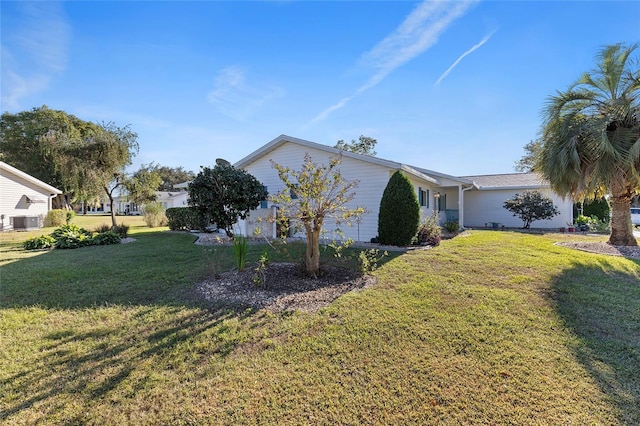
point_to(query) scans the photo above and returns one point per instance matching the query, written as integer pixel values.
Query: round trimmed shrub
(399, 212)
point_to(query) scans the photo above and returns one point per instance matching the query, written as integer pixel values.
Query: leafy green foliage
(399, 212)
(451, 226)
(528, 160)
(531, 206)
(240, 245)
(312, 194)
(224, 194)
(71, 237)
(364, 145)
(154, 215)
(106, 238)
(39, 243)
(368, 260)
(598, 207)
(169, 176)
(185, 219)
(143, 185)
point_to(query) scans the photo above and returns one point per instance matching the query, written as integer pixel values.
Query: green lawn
(491, 328)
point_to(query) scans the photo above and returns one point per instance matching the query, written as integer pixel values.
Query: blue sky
(456, 86)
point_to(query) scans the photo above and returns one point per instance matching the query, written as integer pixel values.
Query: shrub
(598, 208)
(452, 226)
(106, 238)
(39, 243)
(122, 230)
(399, 212)
(531, 206)
(71, 236)
(185, 219)
(56, 217)
(154, 215)
(102, 228)
(368, 260)
(429, 232)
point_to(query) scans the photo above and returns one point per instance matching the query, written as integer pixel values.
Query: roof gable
(424, 174)
(10, 169)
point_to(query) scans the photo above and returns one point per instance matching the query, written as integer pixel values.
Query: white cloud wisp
(35, 53)
(237, 99)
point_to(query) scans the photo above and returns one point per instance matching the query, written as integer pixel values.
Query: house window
(293, 194)
(440, 201)
(423, 197)
(265, 203)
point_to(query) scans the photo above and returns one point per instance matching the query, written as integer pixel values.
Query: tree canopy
(83, 159)
(591, 137)
(224, 194)
(364, 145)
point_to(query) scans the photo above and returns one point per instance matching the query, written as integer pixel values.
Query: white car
(635, 215)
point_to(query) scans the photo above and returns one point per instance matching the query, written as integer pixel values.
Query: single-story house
(472, 201)
(24, 200)
(123, 206)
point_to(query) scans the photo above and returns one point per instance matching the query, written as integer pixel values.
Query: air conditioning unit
(26, 222)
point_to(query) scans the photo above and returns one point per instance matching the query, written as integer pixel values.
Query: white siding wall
(14, 203)
(481, 207)
(373, 179)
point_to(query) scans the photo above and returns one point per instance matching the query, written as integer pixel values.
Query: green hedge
(185, 219)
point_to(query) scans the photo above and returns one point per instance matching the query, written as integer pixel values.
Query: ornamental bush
(399, 212)
(154, 214)
(56, 217)
(531, 206)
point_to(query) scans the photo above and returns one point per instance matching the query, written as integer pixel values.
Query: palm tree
(591, 137)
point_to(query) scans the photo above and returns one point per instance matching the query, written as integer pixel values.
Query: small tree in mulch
(531, 206)
(311, 195)
(399, 212)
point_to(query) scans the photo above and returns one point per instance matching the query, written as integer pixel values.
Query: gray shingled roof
(508, 181)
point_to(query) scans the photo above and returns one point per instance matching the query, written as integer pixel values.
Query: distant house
(123, 206)
(24, 200)
(472, 201)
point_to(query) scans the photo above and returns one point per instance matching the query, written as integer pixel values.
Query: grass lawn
(491, 328)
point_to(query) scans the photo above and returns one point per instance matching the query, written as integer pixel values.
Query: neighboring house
(24, 200)
(484, 202)
(472, 201)
(123, 206)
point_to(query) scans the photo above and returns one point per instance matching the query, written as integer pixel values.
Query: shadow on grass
(85, 366)
(602, 308)
(119, 318)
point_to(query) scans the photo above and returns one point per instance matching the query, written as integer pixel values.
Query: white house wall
(14, 203)
(373, 179)
(483, 207)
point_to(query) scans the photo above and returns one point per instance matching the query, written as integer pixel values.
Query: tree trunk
(621, 227)
(312, 256)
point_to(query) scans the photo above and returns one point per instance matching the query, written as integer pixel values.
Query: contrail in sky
(417, 33)
(457, 61)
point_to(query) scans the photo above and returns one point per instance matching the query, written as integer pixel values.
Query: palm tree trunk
(621, 227)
